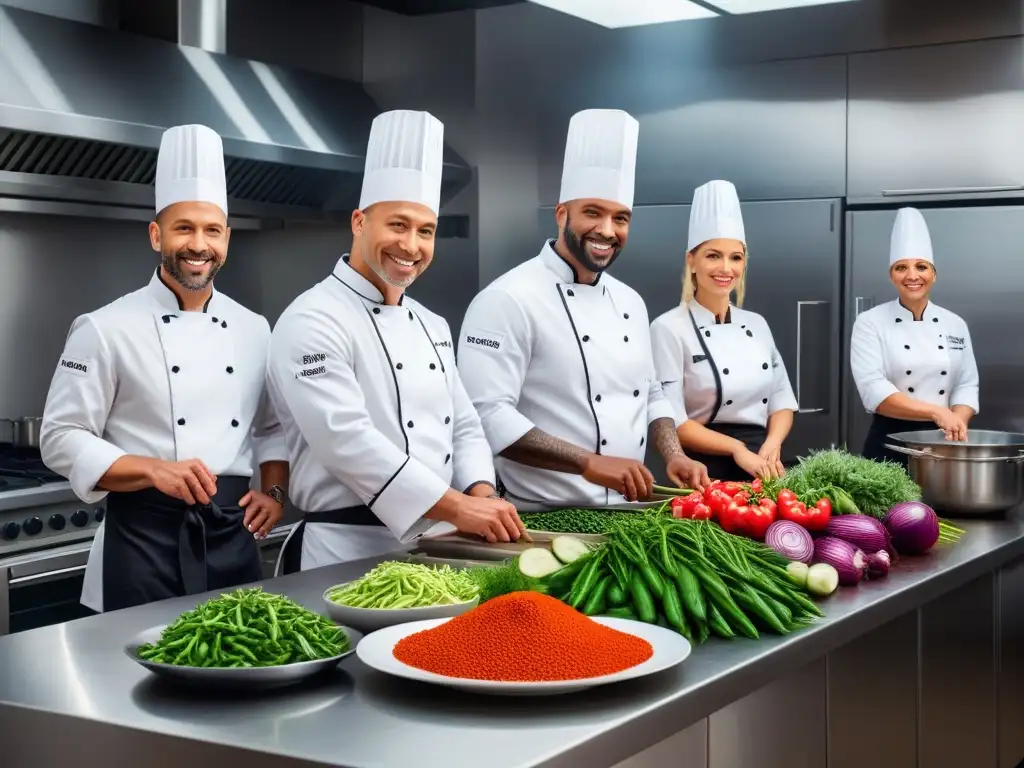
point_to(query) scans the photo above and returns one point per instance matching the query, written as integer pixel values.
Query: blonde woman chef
(912, 361)
(718, 363)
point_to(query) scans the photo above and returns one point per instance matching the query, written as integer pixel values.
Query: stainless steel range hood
(82, 109)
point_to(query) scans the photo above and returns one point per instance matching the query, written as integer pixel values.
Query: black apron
(291, 552)
(157, 547)
(881, 428)
(751, 435)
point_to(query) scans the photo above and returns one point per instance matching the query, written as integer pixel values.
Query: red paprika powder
(522, 636)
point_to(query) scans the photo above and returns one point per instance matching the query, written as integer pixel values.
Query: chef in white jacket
(716, 361)
(158, 403)
(384, 443)
(556, 353)
(912, 360)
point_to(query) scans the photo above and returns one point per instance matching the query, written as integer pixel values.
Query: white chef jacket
(752, 380)
(538, 349)
(930, 360)
(139, 376)
(374, 414)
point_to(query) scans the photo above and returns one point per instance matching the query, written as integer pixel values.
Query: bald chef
(383, 439)
(158, 403)
(556, 354)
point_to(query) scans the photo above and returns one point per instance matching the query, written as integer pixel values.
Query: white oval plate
(377, 651)
(372, 619)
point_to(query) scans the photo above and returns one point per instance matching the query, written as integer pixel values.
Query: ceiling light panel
(630, 13)
(755, 6)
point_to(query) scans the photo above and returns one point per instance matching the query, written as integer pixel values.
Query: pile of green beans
(394, 585)
(246, 628)
(688, 575)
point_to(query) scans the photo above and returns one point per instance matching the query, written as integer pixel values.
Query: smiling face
(394, 241)
(718, 265)
(913, 278)
(594, 232)
(192, 239)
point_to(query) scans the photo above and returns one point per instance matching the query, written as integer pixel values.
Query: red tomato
(768, 504)
(786, 496)
(718, 500)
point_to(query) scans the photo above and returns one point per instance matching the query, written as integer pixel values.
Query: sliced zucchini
(538, 563)
(568, 549)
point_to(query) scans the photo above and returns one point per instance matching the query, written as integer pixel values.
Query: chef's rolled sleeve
(268, 433)
(78, 403)
(866, 364)
(968, 383)
(667, 355)
(328, 406)
(494, 356)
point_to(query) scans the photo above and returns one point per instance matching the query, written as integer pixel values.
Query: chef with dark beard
(158, 403)
(556, 354)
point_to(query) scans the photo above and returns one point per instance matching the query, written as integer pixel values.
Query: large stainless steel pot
(25, 431)
(977, 476)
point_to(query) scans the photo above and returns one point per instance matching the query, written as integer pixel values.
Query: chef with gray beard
(556, 353)
(158, 404)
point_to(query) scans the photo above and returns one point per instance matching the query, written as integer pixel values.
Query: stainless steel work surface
(61, 679)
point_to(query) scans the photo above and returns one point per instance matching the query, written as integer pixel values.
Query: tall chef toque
(190, 168)
(403, 160)
(715, 214)
(910, 238)
(600, 157)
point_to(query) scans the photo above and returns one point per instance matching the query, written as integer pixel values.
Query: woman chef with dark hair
(158, 404)
(718, 363)
(912, 360)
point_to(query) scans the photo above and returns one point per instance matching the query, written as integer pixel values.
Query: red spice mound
(522, 636)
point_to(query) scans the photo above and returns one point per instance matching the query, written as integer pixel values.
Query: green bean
(395, 585)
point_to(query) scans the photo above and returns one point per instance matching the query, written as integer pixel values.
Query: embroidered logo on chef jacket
(485, 340)
(316, 357)
(75, 366)
(955, 342)
(444, 343)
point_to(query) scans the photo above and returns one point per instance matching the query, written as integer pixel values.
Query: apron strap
(290, 558)
(714, 369)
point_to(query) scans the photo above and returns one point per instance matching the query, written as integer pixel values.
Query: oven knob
(57, 522)
(99, 515)
(11, 531)
(32, 526)
(80, 519)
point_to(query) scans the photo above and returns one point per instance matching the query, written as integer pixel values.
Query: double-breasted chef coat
(377, 421)
(141, 377)
(728, 376)
(539, 349)
(931, 360)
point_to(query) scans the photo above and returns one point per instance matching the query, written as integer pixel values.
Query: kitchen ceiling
(423, 7)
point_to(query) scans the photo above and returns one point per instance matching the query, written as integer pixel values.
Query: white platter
(377, 651)
(371, 619)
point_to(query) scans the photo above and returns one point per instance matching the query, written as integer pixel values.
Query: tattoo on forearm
(539, 449)
(663, 433)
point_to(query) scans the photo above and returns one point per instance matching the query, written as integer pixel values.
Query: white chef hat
(910, 238)
(403, 160)
(600, 157)
(190, 167)
(715, 214)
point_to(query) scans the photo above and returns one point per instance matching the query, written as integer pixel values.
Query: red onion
(913, 526)
(878, 564)
(862, 531)
(790, 540)
(850, 563)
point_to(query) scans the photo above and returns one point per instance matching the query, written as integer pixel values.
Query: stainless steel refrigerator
(794, 280)
(980, 276)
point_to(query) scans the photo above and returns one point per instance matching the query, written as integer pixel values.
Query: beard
(578, 249)
(380, 269)
(184, 274)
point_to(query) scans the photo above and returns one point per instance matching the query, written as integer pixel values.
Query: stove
(38, 509)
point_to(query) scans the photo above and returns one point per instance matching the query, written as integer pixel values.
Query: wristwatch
(277, 494)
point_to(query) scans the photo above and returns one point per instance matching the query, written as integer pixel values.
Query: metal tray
(246, 678)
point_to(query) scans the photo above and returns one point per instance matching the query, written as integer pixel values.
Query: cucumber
(538, 563)
(568, 549)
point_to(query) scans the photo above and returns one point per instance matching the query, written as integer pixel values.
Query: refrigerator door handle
(799, 352)
(862, 304)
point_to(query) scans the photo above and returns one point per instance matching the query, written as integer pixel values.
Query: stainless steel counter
(68, 694)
